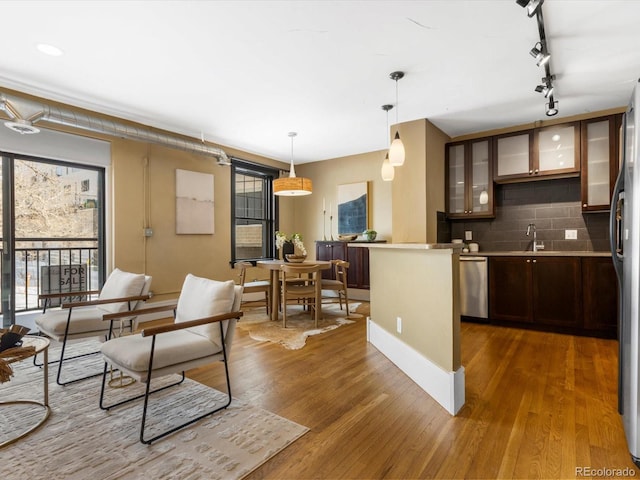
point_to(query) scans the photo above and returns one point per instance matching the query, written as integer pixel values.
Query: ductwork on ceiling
(24, 113)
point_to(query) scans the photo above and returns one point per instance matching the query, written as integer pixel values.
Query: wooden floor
(538, 405)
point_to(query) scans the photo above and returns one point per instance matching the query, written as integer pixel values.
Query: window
(253, 211)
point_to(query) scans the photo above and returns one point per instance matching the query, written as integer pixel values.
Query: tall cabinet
(600, 161)
(469, 179)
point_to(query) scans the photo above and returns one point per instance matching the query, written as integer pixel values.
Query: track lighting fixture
(396, 151)
(531, 5)
(539, 52)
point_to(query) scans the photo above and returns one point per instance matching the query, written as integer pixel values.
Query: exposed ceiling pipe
(61, 116)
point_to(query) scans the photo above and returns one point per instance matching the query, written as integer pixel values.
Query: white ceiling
(245, 73)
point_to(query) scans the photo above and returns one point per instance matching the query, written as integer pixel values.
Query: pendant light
(396, 151)
(387, 172)
(292, 186)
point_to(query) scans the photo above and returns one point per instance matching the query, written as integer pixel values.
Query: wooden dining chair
(301, 282)
(339, 285)
(255, 286)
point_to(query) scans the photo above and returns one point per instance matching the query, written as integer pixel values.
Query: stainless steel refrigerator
(625, 248)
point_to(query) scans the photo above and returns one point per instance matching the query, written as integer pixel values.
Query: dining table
(274, 267)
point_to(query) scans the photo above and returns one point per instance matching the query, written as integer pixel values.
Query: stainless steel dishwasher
(474, 287)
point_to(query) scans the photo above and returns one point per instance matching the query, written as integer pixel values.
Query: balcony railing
(53, 269)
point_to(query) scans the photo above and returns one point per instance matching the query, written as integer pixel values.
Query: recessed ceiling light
(49, 49)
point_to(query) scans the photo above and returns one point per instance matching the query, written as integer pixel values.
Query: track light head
(539, 52)
(546, 87)
(552, 108)
(532, 6)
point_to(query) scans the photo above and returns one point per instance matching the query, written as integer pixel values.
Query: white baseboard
(446, 388)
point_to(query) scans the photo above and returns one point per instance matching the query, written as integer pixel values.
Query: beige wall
(326, 176)
(421, 287)
(143, 178)
(418, 186)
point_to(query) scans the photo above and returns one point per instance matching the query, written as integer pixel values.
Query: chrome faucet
(536, 246)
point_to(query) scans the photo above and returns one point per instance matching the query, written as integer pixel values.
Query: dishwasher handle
(473, 259)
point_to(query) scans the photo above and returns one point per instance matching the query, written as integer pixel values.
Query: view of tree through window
(56, 229)
(50, 202)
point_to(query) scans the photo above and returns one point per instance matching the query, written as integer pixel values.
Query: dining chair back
(253, 287)
(337, 286)
(301, 282)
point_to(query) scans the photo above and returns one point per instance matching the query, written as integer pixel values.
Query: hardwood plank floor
(538, 405)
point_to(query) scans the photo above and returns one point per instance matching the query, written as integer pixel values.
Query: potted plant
(369, 235)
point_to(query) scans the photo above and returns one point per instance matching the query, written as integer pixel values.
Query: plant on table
(295, 238)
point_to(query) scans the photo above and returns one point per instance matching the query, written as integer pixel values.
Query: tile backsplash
(552, 205)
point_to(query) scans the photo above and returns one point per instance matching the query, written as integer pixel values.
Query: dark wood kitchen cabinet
(569, 294)
(600, 286)
(545, 152)
(469, 179)
(536, 290)
(358, 258)
(557, 291)
(600, 159)
(510, 287)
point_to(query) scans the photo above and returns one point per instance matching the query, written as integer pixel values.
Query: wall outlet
(148, 232)
(570, 234)
(398, 324)
(468, 235)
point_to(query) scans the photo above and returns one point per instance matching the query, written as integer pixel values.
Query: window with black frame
(253, 211)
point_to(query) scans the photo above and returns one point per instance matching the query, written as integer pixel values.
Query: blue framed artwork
(353, 208)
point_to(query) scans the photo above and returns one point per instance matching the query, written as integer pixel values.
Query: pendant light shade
(292, 186)
(387, 172)
(396, 151)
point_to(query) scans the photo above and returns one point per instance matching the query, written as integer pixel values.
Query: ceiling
(243, 74)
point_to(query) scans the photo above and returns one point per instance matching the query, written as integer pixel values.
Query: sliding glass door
(52, 231)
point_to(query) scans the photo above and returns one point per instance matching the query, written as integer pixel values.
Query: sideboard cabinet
(358, 258)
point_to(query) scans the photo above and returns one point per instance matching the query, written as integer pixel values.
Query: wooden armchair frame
(47, 297)
(153, 332)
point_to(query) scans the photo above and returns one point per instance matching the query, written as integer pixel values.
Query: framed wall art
(194, 203)
(353, 208)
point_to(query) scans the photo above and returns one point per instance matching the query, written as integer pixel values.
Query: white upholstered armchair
(122, 292)
(202, 332)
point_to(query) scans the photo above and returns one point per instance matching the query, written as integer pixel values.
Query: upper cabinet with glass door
(539, 153)
(600, 140)
(469, 180)
(557, 150)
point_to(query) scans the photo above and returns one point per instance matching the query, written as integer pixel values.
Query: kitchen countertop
(542, 253)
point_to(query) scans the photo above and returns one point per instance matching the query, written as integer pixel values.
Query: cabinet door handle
(534, 261)
(584, 205)
(528, 261)
(530, 172)
(536, 171)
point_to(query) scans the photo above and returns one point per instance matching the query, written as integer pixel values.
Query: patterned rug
(300, 325)
(81, 441)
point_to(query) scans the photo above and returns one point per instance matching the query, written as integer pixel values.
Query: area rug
(300, 325)
(81, 441)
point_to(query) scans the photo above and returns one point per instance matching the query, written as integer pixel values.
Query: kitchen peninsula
(415, 321)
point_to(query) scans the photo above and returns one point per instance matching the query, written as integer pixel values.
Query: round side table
(41, 344)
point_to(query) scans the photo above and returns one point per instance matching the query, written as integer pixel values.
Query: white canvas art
(194, 202)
